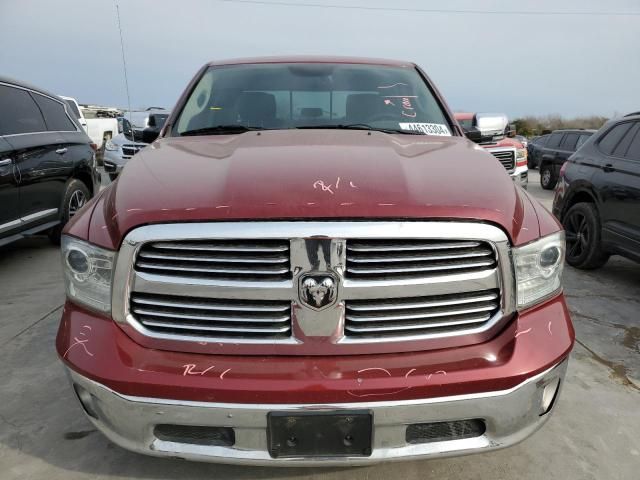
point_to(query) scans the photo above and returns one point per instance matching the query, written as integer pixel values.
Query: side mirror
(474, 135)
(511, 130)
(149, 135)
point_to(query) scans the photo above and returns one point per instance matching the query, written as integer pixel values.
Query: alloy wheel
(77, 200)
(578, 234)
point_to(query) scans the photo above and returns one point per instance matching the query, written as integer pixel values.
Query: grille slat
(401, 304)
(212, 269)
(212, 305)
(197, 328)
(223, 247)
(212, 317)
(410, 316)
(218, 258)
(382, 259)
(427, 313)
(415, 325)
(506, 158)
(398, 245)
(260, 260)
(423, 257)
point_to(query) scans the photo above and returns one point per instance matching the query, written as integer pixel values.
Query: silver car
(125, 145)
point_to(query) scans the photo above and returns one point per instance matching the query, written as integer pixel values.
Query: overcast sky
(542, 63)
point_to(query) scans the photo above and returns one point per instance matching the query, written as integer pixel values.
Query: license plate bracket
(320, 434)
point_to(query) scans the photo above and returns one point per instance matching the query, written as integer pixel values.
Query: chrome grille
(390, 258)
(130, 150)
(420, 315)
(507, 158)
(251, 260)
(204, 286)
(207, 317)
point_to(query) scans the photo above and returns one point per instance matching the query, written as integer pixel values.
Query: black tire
(548, 178)
(75, 196)
(582, 230)
(531, 163)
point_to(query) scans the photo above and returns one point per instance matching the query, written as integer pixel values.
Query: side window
(623, 145)
(609, 142)
(542, 141)
(55, 115)
(73, 108)
(20, 114)
(554, 140)
(570, 141)
(583, 138)
(633, 152)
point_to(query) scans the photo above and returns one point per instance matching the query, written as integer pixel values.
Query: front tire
(582, 230)
(548, 177)
(74, 198)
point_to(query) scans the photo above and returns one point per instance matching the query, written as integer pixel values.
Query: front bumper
(113, 161)
(521, 176)
(135, 388)
(509, 416)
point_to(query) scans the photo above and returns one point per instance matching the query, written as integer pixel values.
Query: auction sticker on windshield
(427, 128)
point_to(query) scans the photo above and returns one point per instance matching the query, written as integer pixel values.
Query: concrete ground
(592, 435)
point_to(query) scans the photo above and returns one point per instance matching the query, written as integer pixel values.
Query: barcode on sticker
(427, 128)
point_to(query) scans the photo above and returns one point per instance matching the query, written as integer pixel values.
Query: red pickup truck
(492, 132)
(296, 272)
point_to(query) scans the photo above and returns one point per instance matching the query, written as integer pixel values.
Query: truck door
(619, 181)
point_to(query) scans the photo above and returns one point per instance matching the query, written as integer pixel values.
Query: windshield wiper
(359, 126)
(220, 130)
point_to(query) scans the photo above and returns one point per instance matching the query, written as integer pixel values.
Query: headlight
(88, 271)
(111, 146)
(521, 153)
(539, 268)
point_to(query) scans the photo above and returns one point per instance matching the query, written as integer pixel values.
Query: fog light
(549, 395)
(86, 400)
(196, 435)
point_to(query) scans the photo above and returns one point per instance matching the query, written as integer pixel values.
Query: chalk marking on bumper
(510, 416)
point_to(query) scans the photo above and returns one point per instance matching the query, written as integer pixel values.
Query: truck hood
(304, 174)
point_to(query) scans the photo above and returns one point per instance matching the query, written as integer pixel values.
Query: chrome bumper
(509, 415)
(520, 176)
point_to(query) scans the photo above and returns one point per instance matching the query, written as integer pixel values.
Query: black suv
(47, 164)
(557, 148)
(598, 196)
(534, 149)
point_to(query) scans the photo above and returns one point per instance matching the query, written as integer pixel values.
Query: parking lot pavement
(592, 435)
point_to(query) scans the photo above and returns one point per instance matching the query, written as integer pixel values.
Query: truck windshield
(237, 98)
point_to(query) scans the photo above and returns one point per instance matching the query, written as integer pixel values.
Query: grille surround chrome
(314, 333)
